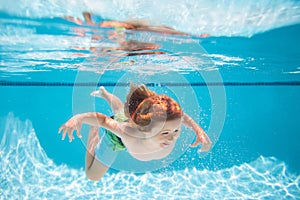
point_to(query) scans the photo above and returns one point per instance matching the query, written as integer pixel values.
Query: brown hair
(143, 105)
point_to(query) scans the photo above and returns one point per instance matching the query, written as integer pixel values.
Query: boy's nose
(170, 137)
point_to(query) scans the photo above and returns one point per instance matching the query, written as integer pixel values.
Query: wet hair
(143, 105)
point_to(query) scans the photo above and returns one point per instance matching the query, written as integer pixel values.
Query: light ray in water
(27, 173)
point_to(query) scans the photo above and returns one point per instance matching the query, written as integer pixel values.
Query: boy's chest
(147, 149)
(139, 145)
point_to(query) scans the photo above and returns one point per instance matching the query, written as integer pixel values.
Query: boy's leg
(114, 102)
(94, 168)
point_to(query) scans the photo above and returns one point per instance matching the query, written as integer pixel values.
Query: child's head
(143, 105)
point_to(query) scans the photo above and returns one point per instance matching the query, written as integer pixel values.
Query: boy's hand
(202, 139)
(72, 124)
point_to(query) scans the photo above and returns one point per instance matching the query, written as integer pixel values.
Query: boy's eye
(165, 133)
(176, 131)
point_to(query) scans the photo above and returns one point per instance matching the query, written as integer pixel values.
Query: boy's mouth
(165, 144)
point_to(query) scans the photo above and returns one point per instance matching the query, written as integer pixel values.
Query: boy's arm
(202, 138)
(91, 118)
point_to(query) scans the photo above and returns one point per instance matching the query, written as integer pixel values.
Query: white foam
(27, 173)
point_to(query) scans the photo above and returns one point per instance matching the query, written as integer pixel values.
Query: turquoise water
(241, 84)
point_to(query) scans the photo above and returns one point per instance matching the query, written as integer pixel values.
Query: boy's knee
(92, 176)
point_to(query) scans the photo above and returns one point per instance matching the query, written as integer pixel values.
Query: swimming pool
(242, 85)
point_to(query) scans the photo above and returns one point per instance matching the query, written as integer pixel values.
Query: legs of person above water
(87, 17)
(114, 102)
(94, 169)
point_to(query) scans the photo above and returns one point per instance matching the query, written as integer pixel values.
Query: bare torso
(144, 146)
(146, 150)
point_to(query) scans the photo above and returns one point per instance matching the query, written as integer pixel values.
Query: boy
(147, 125)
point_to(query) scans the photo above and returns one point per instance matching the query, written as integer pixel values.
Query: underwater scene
(233, 66)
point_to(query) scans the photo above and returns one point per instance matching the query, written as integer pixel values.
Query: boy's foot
(99, 93)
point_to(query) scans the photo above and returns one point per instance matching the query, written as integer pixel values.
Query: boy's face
(166, 133)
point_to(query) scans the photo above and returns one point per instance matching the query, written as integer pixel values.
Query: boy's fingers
(64, 134)
(204, 148)
(196, 143)
(59, 130)
(193, 145)
(70, 134)
(78, 129)
(78, 134)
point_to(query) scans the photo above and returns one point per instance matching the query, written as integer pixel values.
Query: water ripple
(27, 173)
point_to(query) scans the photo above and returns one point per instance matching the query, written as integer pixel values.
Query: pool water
(241, 84)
